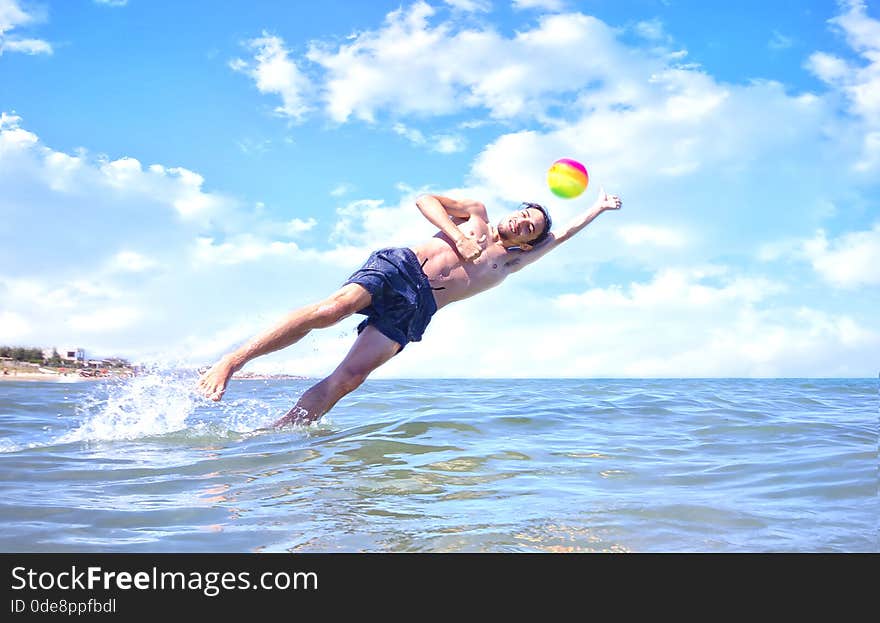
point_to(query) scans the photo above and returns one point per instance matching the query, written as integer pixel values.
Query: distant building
(72, 355)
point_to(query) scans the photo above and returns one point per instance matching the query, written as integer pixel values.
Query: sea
(452, 465)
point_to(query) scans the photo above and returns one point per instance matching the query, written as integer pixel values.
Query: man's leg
(370, 350)
(346, 301)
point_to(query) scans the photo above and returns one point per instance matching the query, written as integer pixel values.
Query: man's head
(526, 227)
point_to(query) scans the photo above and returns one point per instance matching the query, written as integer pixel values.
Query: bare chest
(451, 276)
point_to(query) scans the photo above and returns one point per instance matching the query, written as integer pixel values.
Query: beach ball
(567, 178)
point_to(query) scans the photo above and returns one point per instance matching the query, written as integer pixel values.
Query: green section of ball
(567, 178)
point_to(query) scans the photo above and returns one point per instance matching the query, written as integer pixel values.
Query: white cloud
(295, 227)
(471, 6)
(850, 261)
(613, 96)
(13, 16)
(440, 143)
(66, 308)
(704, 322)
(239, 249)
(546, 5)
(105, 320)
(410, 134)
(103, 234)
(448, 143)
(80, 176)
(859, 83)
(686, 147)
(677, 290)
(779, 41)
(412, 66)
(113, 3)
(26, 46)
(14, 328)
(652, 30)
(131, 261)
(341, 189)
(274, 72)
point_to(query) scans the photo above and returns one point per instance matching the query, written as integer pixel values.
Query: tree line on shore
(35, 355)
(30, 355)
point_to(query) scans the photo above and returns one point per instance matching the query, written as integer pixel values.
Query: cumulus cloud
(341, 189)
(274, 72)
(850, 261)
(295, 227)
(104, 320)
(14, 328)
(471, 6)
(109, 193)
(546, 5)
(581, 88)
(45, 309)
(412, 65)
(440, 143)
(857, 82)
(240, 249)
(12, 17)
(652, 30)
(131, 261)
(114, 244)
(706, 321)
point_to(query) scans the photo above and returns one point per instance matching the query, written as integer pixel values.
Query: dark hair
(548, 222)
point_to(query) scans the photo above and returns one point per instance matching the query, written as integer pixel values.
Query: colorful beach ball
(567, 178)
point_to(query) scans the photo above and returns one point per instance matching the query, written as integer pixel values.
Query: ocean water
(719, 465)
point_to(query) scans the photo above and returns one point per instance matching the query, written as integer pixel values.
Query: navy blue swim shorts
(402, 303)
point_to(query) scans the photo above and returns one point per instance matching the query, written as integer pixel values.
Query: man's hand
(607, 202)
(468, 248)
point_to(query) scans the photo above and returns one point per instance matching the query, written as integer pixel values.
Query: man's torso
(459, 279)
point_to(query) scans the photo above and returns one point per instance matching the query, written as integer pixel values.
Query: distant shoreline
(75, 377)
(42, 376)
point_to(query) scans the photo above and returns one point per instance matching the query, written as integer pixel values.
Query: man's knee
(349, 379)
(338, 307)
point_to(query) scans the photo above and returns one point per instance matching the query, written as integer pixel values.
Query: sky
(176, 176)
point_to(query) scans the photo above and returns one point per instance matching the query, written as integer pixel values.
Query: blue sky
(175, 176)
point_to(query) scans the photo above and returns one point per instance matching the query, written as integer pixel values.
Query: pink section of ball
(573, 163)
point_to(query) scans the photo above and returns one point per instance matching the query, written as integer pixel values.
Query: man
(400, 289)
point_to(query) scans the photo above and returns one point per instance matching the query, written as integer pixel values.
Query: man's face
(521, 226)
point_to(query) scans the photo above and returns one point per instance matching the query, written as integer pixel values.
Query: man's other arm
(438, 210)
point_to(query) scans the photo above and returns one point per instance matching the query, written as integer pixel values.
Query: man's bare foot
(212, 384)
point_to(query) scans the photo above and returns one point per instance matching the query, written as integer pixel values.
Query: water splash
(156, 402)
(162, 404)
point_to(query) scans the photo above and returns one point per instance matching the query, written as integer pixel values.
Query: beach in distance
(75, 375)
(143, 464)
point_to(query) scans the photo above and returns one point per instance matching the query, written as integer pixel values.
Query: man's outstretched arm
(603, 203)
